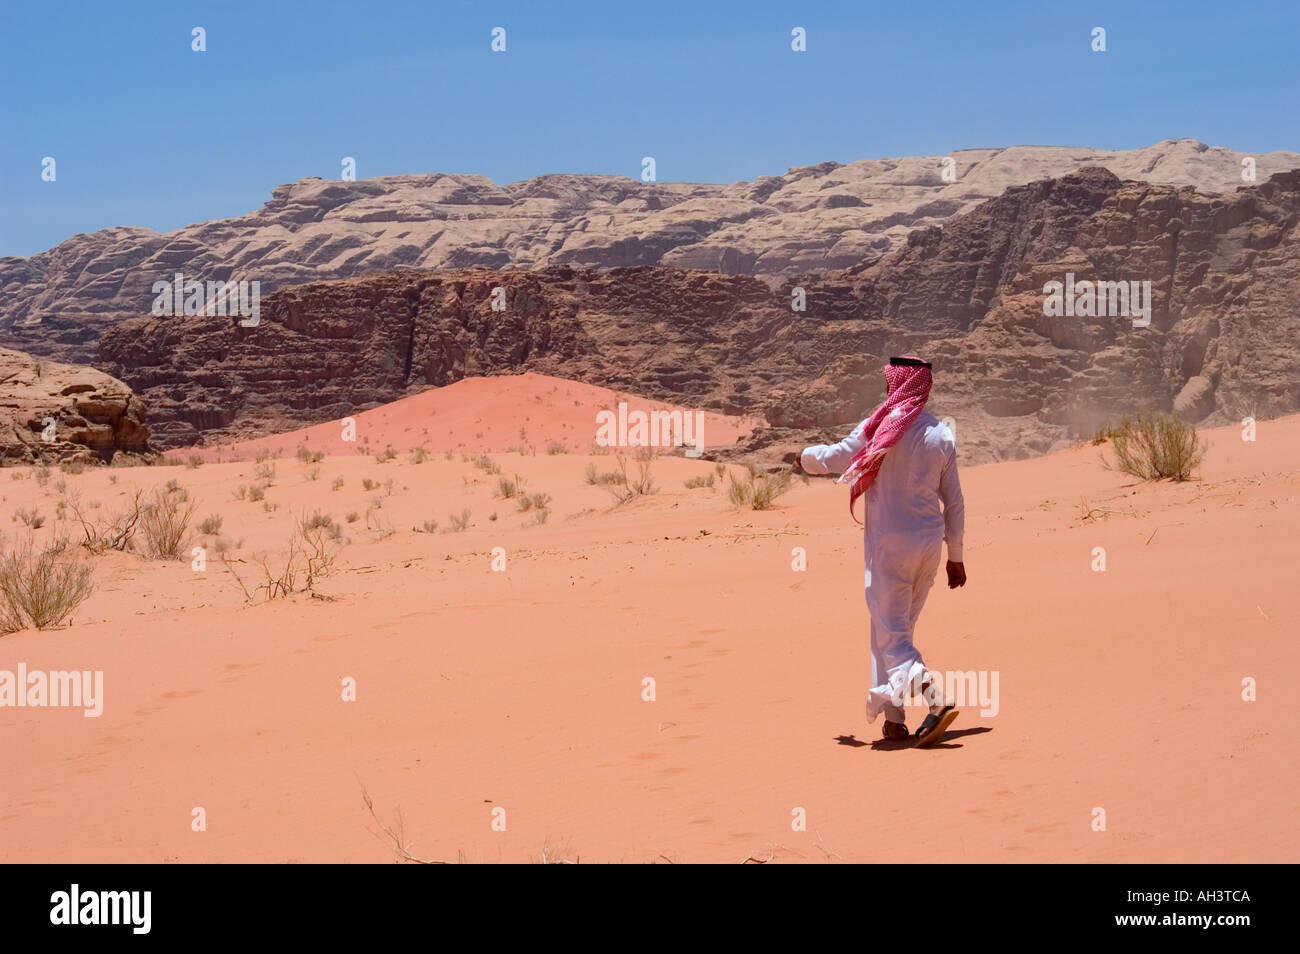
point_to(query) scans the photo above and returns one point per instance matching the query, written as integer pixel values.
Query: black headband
(911, 362)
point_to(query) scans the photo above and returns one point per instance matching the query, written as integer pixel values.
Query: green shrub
(1156, 446)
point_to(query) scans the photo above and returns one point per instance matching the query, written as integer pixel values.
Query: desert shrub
(40, 588)
(386, 455)
(510, 488)
(74, 466)
(117, 534)
(459, 522)
(264, 470)
(555, 447)
(609, 478)
(485, 463)
(758, 490)
(703, 480)
(1156, 446)
(419, 455)
(42, 475)
(337, 484)
(430, 526)
(323, 523)
(194, 462)
(210, 525)
(533, 501)
(268, 507)
(256, 492)
(30, 516)
(352, 517)
(308, 456)
(368, 484)
(164, 525)
(309, 557)
(625, 485)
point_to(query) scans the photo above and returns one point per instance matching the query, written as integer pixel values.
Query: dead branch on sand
(396, 835)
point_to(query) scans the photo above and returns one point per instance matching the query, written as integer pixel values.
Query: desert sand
(522, 689)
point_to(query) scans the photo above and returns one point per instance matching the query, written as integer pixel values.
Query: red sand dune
(478, 414)
(522, 690)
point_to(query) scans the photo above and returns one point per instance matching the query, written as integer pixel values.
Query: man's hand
(956, 575)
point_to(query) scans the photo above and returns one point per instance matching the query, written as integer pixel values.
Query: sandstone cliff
(56, 412)
(811, 218)
(1224, 273)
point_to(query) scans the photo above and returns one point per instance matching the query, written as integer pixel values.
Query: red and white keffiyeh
(909, 389)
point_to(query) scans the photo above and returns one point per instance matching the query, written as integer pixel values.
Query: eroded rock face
(812, 218)
(55, 412)
(1224, 273)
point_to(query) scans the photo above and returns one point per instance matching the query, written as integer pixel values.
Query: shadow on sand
(885, 745)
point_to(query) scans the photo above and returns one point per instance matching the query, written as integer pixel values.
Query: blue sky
(147, 132)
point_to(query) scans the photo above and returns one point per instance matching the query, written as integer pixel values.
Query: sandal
(895, 731)
(934, 726)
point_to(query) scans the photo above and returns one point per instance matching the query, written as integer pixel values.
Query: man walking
(903, 461)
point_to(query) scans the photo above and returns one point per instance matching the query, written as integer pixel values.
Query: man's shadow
(888, 745)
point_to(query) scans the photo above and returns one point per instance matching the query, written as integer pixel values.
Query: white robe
(902, 540)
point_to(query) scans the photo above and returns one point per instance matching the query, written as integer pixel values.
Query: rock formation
(812, 218)
(1224, 274)
(58, 412)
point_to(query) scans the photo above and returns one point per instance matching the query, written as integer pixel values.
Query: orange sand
(474, 415)
(523, 689)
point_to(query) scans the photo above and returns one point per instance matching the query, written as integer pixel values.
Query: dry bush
(165, 524)
(459, 522)
(1156, 446)
(194, 462)
(308, 456)
(602, 480)
(39, 588)
(530, 501)
(631, 485)
(555, 447)
(309, 557)
(484, 462)
(703, 480)
(337, 484)
(264, 470)
(419, 455)
(30, 516)
(758, 490)
(256, 492)
(115, 534)
(210, 525)
(510, 488)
